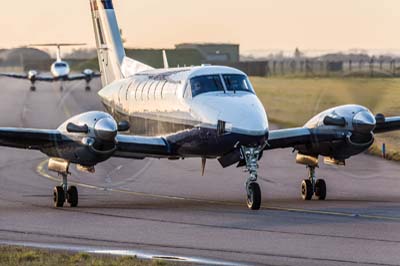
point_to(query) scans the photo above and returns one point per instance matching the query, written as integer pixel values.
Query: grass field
(293, 101)
(18, 256)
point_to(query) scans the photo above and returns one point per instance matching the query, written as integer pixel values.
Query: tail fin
(114, 65)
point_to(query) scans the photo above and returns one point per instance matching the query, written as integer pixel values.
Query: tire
(58, 197)
(306, 189)
(72, 196)
(33, 88)
(254, 196)
(87, 88)
(320, 189)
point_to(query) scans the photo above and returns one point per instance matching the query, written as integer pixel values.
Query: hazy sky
(255, 24)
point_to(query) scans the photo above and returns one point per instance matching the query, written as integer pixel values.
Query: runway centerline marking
(42, 172)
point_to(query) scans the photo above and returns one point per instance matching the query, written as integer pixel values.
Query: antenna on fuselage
(165, 59)
(58, 45)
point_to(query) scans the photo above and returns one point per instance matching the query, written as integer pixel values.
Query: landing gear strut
(251, 156)
(63, 193)
(313, 186)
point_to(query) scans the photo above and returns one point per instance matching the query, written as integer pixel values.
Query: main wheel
(58, 196)
(306, 189)
(72, 196)
(253, 196)
(87, 88)
(33, 88)
(320, 189)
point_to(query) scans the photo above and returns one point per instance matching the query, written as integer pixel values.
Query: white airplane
(60, 70)
(208, 112)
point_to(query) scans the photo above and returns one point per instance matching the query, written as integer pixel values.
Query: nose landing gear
(251, 156)
(313, 186)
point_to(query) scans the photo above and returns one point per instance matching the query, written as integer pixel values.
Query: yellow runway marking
(41, 170)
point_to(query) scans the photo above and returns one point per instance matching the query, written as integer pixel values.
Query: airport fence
(318, 68)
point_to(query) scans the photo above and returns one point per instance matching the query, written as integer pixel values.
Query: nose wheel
(313, 186)
(63, 193)
(253, 196)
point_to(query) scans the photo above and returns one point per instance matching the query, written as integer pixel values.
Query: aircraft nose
(246, 118)
(106, 129)
(364, 122)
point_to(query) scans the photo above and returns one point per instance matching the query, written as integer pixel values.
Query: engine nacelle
(88, 72)
(89, 139)
(32, 74)
(353, 121)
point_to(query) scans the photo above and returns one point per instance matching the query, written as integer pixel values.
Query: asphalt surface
(167, 207)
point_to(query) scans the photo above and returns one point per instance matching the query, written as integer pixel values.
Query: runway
(168, 208)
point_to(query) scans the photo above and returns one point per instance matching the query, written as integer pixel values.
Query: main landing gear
(63, 193)
(313, 186)
(251, 156)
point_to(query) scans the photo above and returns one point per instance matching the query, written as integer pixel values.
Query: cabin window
(203, 84)
(236, 82)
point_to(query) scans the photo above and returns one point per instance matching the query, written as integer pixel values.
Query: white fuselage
(60, 69)
(166, 96)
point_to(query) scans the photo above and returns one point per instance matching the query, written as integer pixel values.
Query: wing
(82, 76)
(29, 138)
(25, 76)
(386, 124)
(45, 78)
(291, 137)
(14, 75)
(142, 147)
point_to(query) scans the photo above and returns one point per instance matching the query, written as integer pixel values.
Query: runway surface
(168, 208)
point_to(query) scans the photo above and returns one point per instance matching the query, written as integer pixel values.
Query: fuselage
(60, 69)
(200, 110)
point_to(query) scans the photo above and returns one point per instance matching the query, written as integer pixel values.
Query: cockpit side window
(236, 82)
(203, 84)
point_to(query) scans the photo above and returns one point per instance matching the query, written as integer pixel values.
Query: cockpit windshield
(203, 84)
(235, 82)
(60, 65)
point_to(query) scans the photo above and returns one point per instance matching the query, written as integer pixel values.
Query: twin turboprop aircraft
(60, 70)
(208, 112)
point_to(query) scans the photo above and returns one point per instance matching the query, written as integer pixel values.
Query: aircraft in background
(60, 70)
(207, 112)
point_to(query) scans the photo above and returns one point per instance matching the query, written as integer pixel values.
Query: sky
(254, 24)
